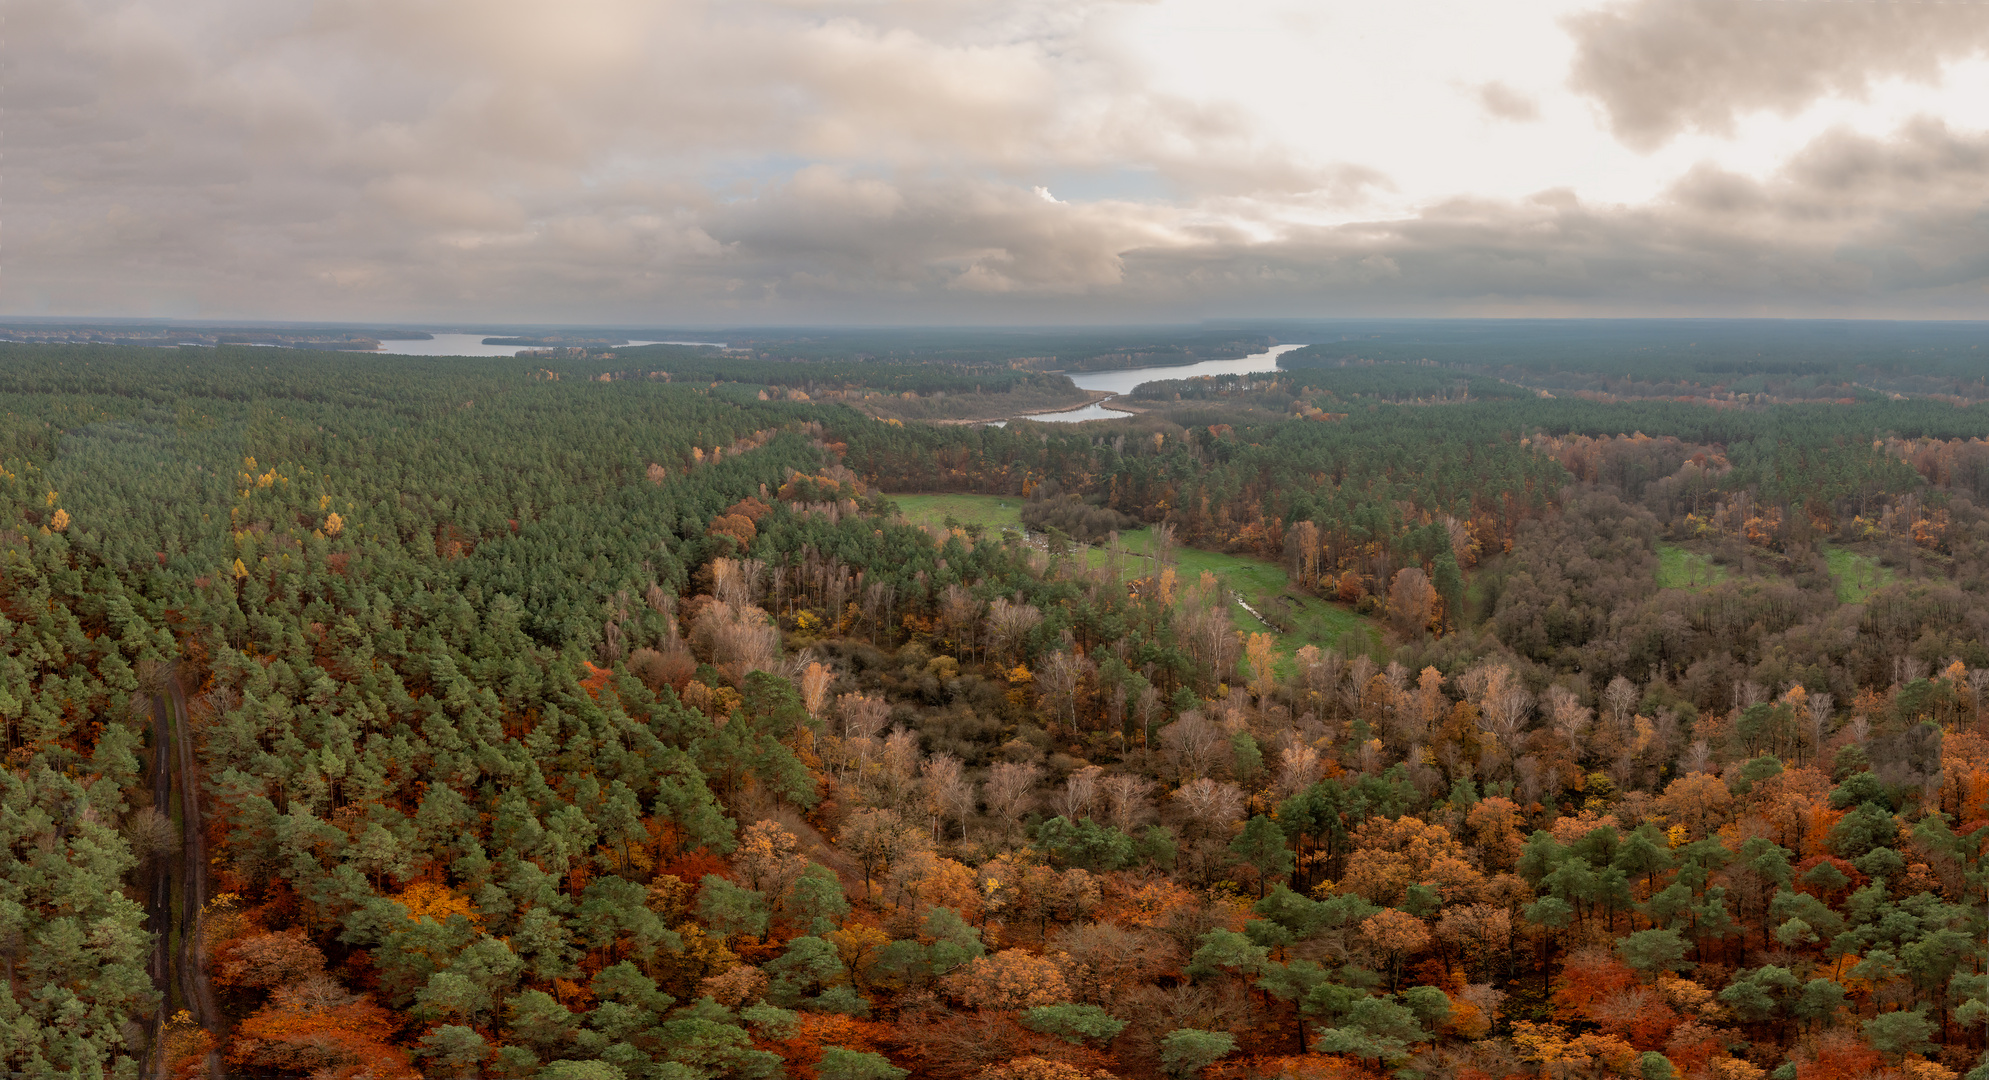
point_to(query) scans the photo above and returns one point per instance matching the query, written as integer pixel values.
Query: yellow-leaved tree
(1262, 652)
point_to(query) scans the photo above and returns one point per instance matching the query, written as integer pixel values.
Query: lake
(1123, 381)
(472, 345)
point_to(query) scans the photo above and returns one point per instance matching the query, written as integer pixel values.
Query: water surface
(1122, 382)
(472, 345)
(1093, 411)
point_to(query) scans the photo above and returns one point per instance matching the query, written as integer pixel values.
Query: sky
(653, 162)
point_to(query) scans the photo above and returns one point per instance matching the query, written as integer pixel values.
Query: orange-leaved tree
(316, 1027)
(1010, 979)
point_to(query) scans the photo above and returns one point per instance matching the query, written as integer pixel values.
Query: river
(472, 345)
(1123, 381)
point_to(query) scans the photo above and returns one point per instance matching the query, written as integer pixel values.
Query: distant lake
(1123, 381)
(1093, 411)
(472, 345)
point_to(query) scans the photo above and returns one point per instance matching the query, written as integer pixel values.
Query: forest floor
(1259, 583)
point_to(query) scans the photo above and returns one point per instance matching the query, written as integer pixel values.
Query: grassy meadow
(1259, 582)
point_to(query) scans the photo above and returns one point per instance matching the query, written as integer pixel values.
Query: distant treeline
(1381, 382)
(689, 365)
(1684, 357)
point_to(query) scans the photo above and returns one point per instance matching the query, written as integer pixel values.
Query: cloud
(1853, 225)
(1662, 67)
(448, 160)
(1504, 103)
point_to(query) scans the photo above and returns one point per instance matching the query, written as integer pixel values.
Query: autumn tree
(1010, 979)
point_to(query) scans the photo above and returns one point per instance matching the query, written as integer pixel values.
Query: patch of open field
(1682, 569)
(1262, 584)
(1858, 576)
(996, 512)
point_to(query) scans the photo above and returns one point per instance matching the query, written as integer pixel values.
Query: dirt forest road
(159, 910)
(180, 893)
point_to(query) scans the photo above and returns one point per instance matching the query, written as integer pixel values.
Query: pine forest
(1461, 704)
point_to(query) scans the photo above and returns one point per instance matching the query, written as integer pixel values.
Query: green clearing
(1858, 576)
(1682, 569)
(1258, 582)
(994, 511)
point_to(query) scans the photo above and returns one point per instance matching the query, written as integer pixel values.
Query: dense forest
(607, 717)
(1720, 359)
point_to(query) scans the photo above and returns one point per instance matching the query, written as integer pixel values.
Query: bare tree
(863, 715)
(777, 588)
(1503, 706)
(863, 719)
(947, 794)
(739, 639)
(1568, 715)
(1412, 600)
(662, 602)
(1194, 741)
(1009, 624)
(1080, 791)
(961, 611)
(1163, 543)
(1322, 676)
(876, 839)
(150, 834)
(1058, 681)
(1204, 624)
(1298, 769)
(877, 597)
(1147, 707)
(1126, 799)
(737, 581)
(1820, 706)
(1396, 676)
(1011, 790)
(1306, 660)
(1370, 757)
(1360, 672)
(899, 763)
(1210, 804)
(815, 680)
(1302, 553)
(1747, 693)
(1619, 700)
(1697, 756)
